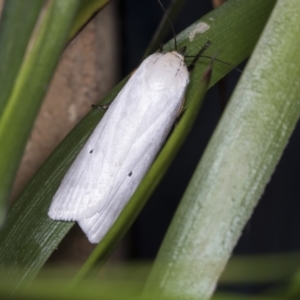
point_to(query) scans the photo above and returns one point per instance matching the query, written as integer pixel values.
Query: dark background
(275, 224)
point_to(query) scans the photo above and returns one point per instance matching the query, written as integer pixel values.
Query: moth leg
(101, 107)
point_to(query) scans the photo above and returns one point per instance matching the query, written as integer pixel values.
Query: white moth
(122, 147)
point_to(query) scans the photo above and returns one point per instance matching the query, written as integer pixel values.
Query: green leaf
(17, 23)
(237, 164)
(28, 226)
(30, 87)
(86, 11)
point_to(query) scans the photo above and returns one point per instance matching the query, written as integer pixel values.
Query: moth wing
(138, 161)
(91, 175)
(98, 185)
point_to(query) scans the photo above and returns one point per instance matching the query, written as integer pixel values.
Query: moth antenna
(170, 22)
(209, 57)
(223, 62)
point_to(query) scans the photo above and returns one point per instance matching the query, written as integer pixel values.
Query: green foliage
(27, 83)
(252, 135)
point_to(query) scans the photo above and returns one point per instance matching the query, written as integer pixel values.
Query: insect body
(122, 147)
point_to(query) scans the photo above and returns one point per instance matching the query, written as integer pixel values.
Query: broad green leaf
(28, 226)
(237, 164)
(16, 25)
(29, 89)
